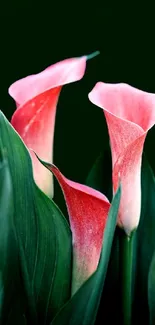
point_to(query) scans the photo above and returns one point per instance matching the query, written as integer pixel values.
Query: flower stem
(126, 273)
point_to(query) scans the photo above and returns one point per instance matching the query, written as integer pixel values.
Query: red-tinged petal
(129, 113)
(35, 122)
(36, 97)
(128, 170)
(88, 211)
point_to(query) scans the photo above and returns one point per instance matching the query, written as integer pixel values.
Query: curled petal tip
(46, 164)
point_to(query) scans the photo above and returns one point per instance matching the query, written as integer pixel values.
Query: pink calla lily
(129, 113)
(36, 98)
(88, 211)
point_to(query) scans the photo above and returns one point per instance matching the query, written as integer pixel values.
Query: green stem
(126, 268)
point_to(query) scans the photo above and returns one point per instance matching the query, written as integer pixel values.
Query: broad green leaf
(11, 294)
(83, 307)
(43, 235)
(53, 257)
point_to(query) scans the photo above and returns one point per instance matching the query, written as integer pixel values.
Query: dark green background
(35, 34)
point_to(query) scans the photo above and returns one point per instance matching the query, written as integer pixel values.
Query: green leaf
(11, 295)
(83, 307)
(53, 264)
(43, 235)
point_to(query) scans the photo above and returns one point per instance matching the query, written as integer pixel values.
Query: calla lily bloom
(129, 113)
(36, 98)
(88, 211)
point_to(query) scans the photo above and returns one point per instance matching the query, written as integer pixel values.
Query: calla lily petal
(36, 97)
(88, 211)
(129, 113)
